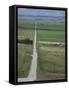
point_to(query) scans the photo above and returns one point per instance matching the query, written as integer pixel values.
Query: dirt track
(33, 69)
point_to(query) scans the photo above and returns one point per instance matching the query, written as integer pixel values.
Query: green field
(51, 36)
(24, 52)
(51, 62)
(51, 58)
(41, 25)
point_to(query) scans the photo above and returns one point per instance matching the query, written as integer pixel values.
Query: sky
(39, 13)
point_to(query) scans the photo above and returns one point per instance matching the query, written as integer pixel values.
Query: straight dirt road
(33, 68)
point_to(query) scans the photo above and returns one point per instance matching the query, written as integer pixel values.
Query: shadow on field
(25, 41)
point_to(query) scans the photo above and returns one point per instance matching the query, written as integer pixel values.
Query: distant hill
(48, 18)
(41, 14)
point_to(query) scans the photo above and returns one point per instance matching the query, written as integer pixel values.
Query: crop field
(51, 62)
(41, 25)
(51, 57)
(51, 36)
(24, 52)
